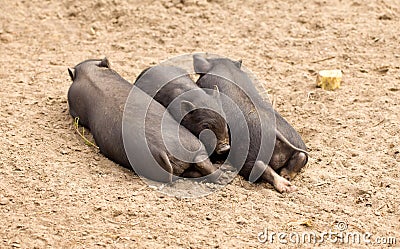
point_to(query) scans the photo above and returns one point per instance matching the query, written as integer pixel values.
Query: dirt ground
(57, 192)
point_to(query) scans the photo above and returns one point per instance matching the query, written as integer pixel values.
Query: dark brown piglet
(98, 96)
(288, 153)
(190, 105)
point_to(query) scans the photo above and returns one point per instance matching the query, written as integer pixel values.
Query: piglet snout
(223, 148)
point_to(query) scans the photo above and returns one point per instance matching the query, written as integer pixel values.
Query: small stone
(6, 38)
(241, 221)
(385, 17)
(16, 245)
(4, 201)
(354, 154)
(101, 244)
(377, 213)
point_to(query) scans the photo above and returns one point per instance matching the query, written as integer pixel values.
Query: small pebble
(101, 244)
(16, 245)
(4, 201)
(241, 221)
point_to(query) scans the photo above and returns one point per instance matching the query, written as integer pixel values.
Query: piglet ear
(238, 63)
(187, 107)
(142, 73)
(71, 72)
(104, 63)
(201, 65)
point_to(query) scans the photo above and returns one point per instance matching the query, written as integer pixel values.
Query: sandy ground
(57, 192)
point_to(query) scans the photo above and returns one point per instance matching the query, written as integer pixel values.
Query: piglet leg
(294, 165)
(269, 175)
(206, 168)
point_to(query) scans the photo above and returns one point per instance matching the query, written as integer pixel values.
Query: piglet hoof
(215, 177)
(284, 186)
(287, 175)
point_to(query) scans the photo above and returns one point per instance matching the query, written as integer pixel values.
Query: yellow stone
(329, 79)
